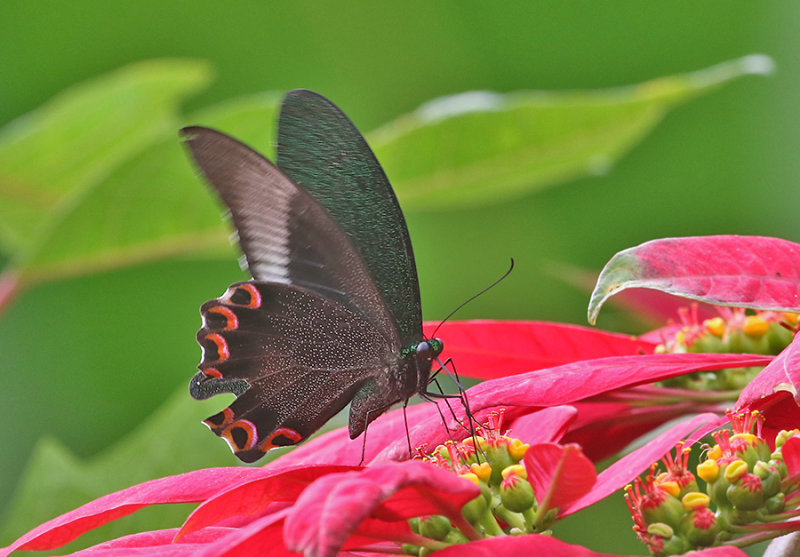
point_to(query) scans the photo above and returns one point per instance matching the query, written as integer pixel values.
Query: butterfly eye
(429, 349)
(424, 351)
(436, 346)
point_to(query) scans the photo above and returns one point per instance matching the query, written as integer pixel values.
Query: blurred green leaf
(51, 155)
(481, 147)
(172, 441)
(457, 151)
(151, 206)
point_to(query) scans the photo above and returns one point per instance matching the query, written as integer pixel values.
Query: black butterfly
(333, 313)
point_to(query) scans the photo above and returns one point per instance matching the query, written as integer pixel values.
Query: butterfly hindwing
(272, 345)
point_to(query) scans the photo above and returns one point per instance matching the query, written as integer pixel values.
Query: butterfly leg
(462, 396)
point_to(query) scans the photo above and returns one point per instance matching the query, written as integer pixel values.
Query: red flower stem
(673, 396)
(783, 516)
(421, 541)
(386, 549)
(759, 537)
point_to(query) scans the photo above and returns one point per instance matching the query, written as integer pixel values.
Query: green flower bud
(739, 517)
(499, 458)
(700, 527)
(775, 504)
(435, 527)
(718, 490)
(516, 493)
(410, 549)
(778, 338)
(783, 436)
(770, 478)
(708, 343)
(414, 524)
(746, 494)
(661, 530)
(669, 512)
(455, 536)
(674, 545)
(474, 510)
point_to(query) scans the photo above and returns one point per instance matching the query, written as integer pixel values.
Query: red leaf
(333, 507)
(253, 497)
(184, 488)
(156, 543)
(580, 380)
(336, 447)
(490, 349)
(791, 456)
(564, 385)
(543, 426)
(624, 470)
(605, 428)
(744, 271)
(559, 474)
(537, 544)
(659, 307)
(261, 538)
(782, 374)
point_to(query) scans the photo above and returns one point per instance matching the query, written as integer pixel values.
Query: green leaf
(49, 156)
(151, 206)
(458, 151)
(481, 147)
(172, 441)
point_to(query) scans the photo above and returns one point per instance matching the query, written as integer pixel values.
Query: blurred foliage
(87, 358)
(117, 201)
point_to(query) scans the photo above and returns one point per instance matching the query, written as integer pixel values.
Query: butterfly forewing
(320, 149)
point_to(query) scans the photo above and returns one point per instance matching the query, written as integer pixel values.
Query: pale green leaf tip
(462, 103)
(757, 64)
(752, 64)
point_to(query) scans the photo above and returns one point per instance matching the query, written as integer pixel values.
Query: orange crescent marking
(255, 295)
(213, 372)
(249, 428)
(232, 320)
(227, 418)
(290, 434)
(222, 346)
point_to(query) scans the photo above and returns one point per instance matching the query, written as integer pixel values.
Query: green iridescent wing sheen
(321, 150)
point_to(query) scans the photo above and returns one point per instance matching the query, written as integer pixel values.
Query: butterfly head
(426, 351)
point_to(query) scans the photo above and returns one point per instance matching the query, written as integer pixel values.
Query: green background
(85, 360)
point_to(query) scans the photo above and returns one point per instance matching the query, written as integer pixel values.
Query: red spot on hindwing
(213, 372)
(281, 437)
(243, 295)
(241, 435)
(231, 321)
(222, 346)
(220, 421)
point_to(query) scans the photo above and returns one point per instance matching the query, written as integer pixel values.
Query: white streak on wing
(265, 220)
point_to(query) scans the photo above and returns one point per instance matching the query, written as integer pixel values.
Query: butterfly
(332, 314)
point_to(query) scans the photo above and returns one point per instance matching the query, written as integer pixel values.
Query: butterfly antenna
(468, 300)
